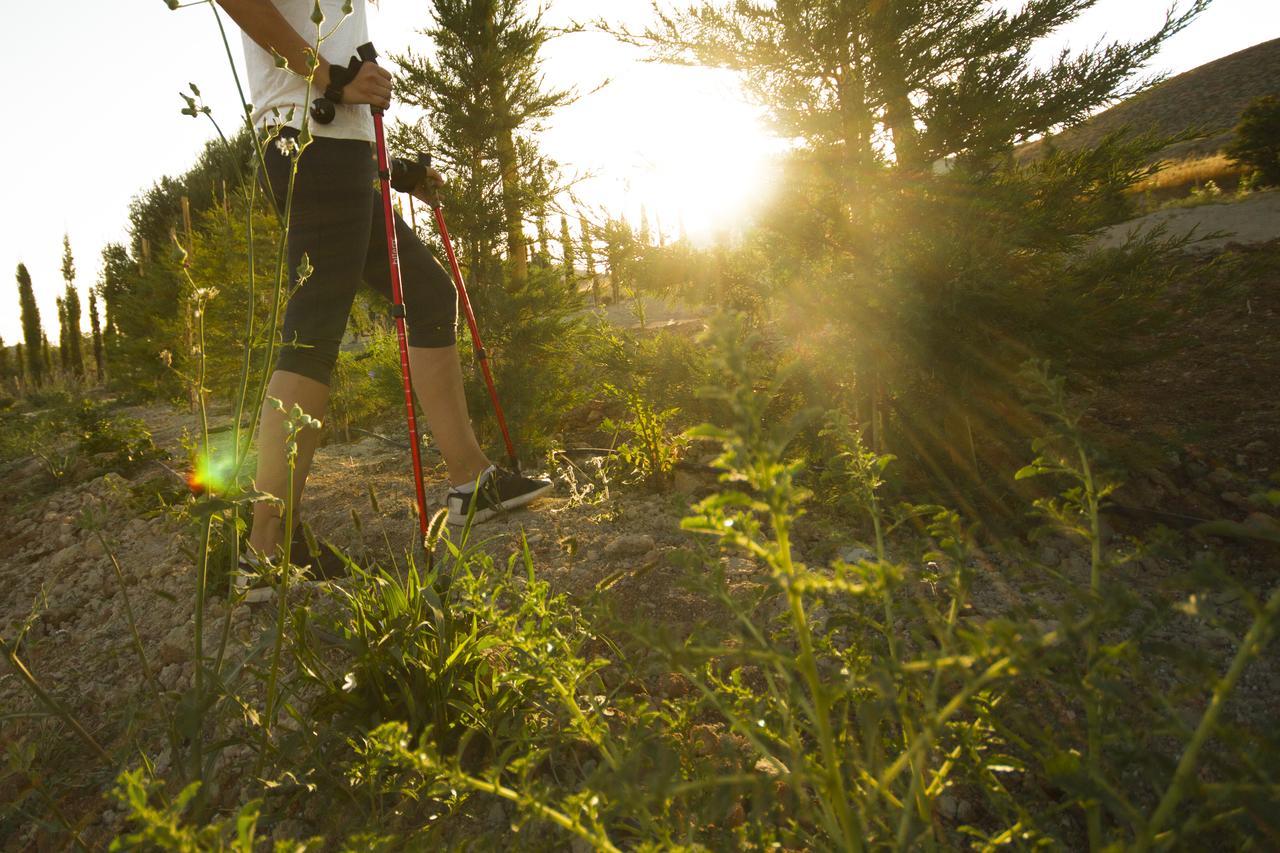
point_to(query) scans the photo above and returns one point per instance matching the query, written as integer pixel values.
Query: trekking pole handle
(366, 53)
(323, 109)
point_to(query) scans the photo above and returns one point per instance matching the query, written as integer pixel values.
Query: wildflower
(286, 145)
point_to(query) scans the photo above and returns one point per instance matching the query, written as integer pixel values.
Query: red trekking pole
(368, 54)
(482, 356)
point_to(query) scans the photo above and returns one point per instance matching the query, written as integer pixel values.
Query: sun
(683, 143)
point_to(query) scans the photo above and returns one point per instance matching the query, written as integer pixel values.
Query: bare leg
(273, 464)
(437, 380)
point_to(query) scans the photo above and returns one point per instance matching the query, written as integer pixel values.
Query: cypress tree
(19, 365)
(97, 334)
(544, 237)
(567, 252)
(589, 257)
(62, 335)
(31, 331)
(46, 354)
(71, 300)
(6, 370)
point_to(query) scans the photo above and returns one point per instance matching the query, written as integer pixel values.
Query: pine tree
(567, 252)
(484, 95)
(619, 254)
(70, 344)
(927, 274)
(118, 269)
(31, 331)
(96, 325)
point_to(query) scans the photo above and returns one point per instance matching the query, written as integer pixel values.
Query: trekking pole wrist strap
(339, 77)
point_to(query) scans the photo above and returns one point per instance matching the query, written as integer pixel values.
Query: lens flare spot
(211, 473)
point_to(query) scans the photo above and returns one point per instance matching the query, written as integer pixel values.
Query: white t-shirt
(275, 91)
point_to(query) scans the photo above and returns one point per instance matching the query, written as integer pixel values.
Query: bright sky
(103, 123)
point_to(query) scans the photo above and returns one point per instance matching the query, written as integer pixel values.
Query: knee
(313, 359)
(432, 313)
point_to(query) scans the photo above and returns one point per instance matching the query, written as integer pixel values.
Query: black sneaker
(323, 564)
(255, 583)
(499, 490)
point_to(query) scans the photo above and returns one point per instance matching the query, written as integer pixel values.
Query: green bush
(367, 385)
(539, 349)
(1257, 140)
(121, 443)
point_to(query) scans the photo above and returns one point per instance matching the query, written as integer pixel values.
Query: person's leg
(273, 467)
(329, 225)
(437, 380)
(432, 308)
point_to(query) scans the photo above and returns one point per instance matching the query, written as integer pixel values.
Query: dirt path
(1255, 219)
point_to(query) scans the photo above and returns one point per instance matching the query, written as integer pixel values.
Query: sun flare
(698, 159)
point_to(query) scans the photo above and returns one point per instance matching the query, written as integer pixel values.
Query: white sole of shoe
(254, 594)
(483, 515)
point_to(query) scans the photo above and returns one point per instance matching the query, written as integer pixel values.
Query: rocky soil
(83, 553)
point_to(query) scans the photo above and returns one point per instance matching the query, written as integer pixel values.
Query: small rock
(1256, 447)
(174, 647)
(856, 554)
(1221, 477)
(630, 546)
(1048, 556)
(497, 813)
(948, 806)
(170, 676)
(770, 766)
(686, 483)
(1236, 500)
(290, 830)
(1263, 523)
(64, 558)
(29, 470)
(706, 741)
(673, 685)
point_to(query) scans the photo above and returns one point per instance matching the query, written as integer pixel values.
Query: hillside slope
(1209, 98)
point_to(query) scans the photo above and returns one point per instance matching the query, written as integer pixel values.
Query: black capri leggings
(337, 221)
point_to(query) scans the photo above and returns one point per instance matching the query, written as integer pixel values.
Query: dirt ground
(1206, 408)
